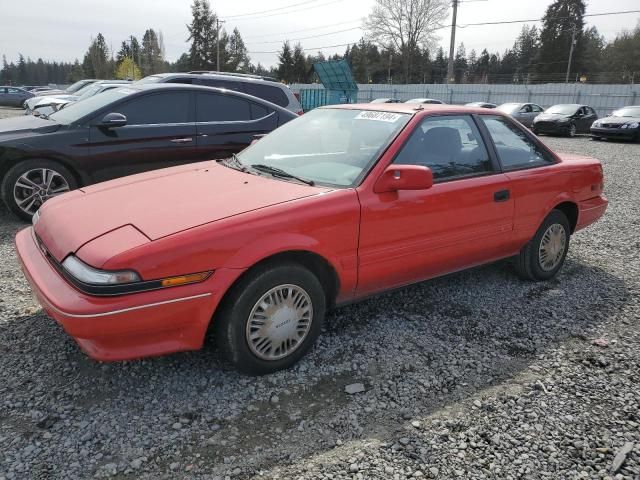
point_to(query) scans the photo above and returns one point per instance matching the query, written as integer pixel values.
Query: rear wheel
(27, 185)
(597, 139)
(271, 318)
(543, 257)
(572, 130)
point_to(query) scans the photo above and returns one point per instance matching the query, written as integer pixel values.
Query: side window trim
(233, 122)
(495, 165)
(530, 136)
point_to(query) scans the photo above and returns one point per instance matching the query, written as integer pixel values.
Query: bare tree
(408, 25)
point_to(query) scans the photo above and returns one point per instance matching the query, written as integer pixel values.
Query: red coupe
(339, 204)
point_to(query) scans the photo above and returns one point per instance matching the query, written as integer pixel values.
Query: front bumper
(624, 133)
(124, 327)
(589, 211)
(552, 128)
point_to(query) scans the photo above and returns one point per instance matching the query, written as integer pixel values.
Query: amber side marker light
(185, 279)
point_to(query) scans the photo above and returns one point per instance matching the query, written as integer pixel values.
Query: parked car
(123, 131)
(481, 105)
(49, 104)
(426, 101)
(256, 85)
(623, 123)
(523, 112)
(339, 204)
(71, 89)
(385, 100)
(14, 96)
(33, 88)
(565, 119)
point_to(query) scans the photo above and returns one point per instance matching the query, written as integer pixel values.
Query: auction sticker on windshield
(378, 116)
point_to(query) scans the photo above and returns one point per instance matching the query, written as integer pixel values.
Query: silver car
(523, 112)
(14, 96)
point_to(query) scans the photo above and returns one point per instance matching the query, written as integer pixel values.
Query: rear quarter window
(267, 92)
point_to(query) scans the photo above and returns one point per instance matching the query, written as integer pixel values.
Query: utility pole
(573, 42)
(218, 22)
(453, 42)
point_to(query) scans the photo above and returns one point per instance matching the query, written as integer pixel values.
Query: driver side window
(515, 149)
(451, 146)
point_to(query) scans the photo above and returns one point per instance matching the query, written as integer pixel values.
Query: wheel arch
(570, 209)
(322, 268)
(7, 165)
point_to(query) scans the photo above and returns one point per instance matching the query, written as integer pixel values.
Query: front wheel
(543, 257)
(535, 131)
(27, 185)
(271, 318)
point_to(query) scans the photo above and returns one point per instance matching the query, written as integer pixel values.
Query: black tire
(536, 132)
(597, 139)
(572, 130)
(528, 264)
(15, 172)
(230, 323)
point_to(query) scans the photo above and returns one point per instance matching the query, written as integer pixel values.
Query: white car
(47, 105)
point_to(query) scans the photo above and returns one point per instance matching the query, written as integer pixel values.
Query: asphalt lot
(475, 375)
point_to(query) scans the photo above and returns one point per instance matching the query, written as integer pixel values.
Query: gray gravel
(476, 375)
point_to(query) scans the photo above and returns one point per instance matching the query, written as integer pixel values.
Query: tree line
(406, 55)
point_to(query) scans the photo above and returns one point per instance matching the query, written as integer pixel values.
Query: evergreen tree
(285, 63)
(124, 52)
(558, 24)
(237, 53)
(151, 59)
(96, 60)
(460, 64)
(299, 65)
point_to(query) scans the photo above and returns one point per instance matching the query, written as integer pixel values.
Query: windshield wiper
(234, 162)
(278, 172)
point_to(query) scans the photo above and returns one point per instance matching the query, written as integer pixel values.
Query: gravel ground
(475, 375)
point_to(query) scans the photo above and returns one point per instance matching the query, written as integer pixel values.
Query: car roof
(221, 76)
(411, 108)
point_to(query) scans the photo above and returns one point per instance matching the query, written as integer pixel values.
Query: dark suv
(123, 131)
(266, 88)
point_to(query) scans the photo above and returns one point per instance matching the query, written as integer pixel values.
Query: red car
(341, 203)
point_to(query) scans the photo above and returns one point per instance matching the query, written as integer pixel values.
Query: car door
(535, 182)
(464, 219)
(227, 124)
(160, 132)
(527, 115)
(15, 97)
(535, 111)
(588, 117)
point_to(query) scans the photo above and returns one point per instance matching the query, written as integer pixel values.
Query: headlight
(596, 124)
(633, 125)
(86, 274)
(103, 282)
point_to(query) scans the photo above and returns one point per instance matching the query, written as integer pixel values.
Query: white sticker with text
(378, 116)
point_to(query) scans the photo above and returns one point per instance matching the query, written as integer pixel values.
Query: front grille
(611, 125)
(545, 125)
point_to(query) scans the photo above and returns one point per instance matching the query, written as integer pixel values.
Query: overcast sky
(62, 29)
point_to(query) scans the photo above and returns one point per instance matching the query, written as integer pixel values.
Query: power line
(312, 36)
(260, 17)
(313, 48)
(270, 10)
(503, 22)
(304, 29)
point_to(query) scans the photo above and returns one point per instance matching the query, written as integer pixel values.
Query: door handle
(501, 196)
(181, 140)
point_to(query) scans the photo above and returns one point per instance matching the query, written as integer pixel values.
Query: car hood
(159, 203)
(25, 124)
(619, 120)
(552, 117)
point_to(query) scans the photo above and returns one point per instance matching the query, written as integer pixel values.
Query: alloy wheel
(36, 186)
(552, 247)
(279, 322)
(572, 130)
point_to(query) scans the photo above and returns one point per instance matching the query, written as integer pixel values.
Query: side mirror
(404, 177)
(113, 120)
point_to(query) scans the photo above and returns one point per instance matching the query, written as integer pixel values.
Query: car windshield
(88, 91)
(509, 107)
(627, 112)
(73, 88)
(150, 79)
(79, 110)
(327, 146)
(562, 109)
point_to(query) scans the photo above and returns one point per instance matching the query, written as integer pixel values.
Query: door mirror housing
(113, 120)
(404, 177)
